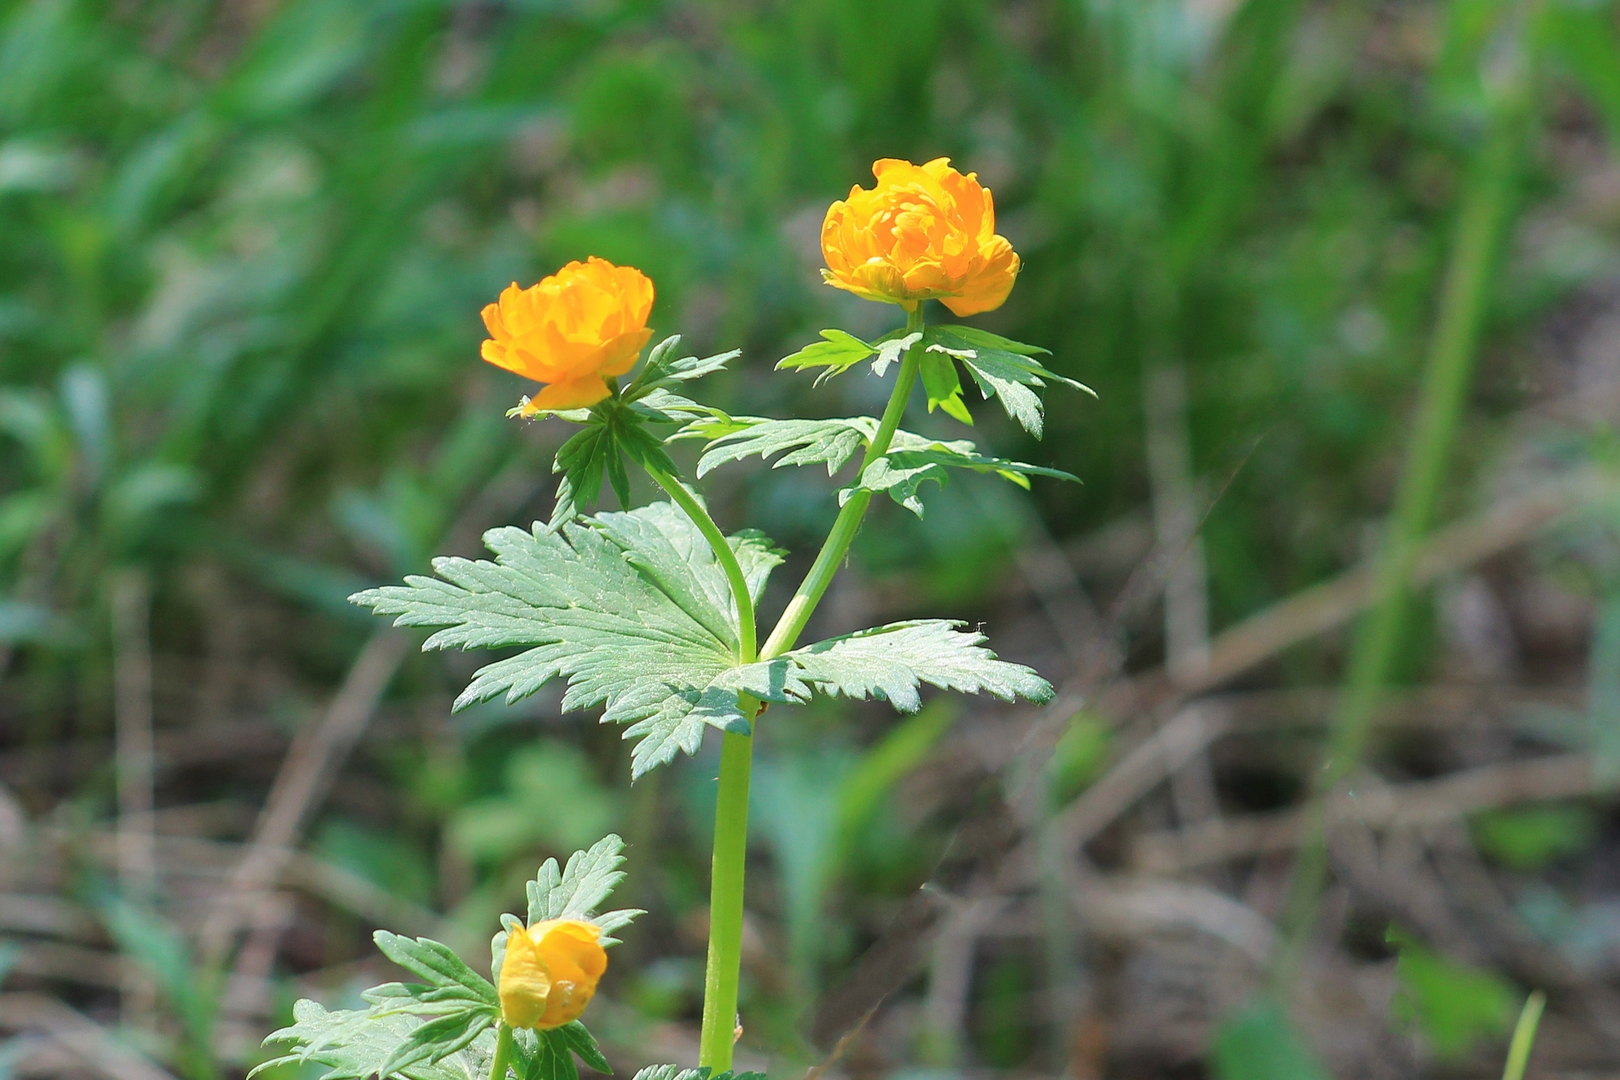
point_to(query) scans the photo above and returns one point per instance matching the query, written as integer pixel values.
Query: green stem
(726, 903)
(727, 558)
(719, 1033)
(1484, 212)
(815, 583)
(503, 1053)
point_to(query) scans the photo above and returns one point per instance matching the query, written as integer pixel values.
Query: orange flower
(586, 321)
(923, 232)
(549, 973)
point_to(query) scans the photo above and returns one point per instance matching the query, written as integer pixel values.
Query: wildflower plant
(649, 613)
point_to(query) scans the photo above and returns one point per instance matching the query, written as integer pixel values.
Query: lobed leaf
(539, 1057)
(437, 1039)
(668, 1072)
(572, 892)
(666, 407)
(1002, 368)
(889, 348)
(357, 1045)
(578, 889)
(631, 609)
(838, 352)
(678, 1072)
(614, 429)
(890, 662)
(663, 368)
(801, 442)
(438, 964)
(582, 460)
(914, 461)
(583, 1044)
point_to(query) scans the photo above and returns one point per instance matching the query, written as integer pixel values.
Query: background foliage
(243, 244)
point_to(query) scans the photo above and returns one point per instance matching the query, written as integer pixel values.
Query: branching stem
(815, 583)
(736, 752)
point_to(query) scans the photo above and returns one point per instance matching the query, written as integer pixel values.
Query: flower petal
(921, 232)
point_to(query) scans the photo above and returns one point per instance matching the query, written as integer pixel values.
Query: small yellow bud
(549, 973)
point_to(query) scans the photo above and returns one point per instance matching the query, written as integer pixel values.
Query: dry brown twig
(306, 774)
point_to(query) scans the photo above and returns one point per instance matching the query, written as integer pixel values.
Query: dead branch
(312, 763)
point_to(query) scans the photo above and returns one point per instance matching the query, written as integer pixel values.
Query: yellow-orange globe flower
(549, 973)
(923, 232)
(583, 323)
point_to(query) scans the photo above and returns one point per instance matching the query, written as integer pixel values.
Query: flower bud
(549, 973)
(585, 322)
(923, 232)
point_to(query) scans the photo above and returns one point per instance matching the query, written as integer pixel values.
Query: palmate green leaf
(356, 1045)
(679, 1072)
(891, 661)
(630, 608)
(440, 1029)
(913, 461)
(582, 460)
(614, 429)
(1003, 368)
(447, 977)
(800, 442)
(438, 1039)
(549, 1055)
(840, 351)
(577, 890)
(837, 353)
(664, 369)
(461, 1003)
(889, 348)
(667, 407)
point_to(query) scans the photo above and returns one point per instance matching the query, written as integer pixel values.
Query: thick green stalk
(726, 903)
(503, 1053)
(1484, 212)
(727, 558)
(720, 980)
